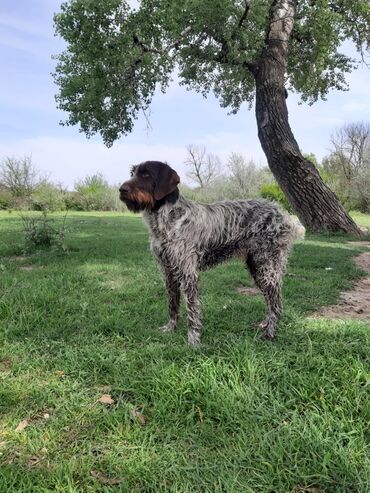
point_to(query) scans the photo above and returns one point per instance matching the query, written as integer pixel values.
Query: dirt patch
(18, 257)
(6, 363)
(30, 267)
(354, 303)
(248, 291)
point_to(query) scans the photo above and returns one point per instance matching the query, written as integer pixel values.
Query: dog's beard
(138, 201)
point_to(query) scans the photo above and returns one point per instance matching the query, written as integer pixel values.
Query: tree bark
(317, 207)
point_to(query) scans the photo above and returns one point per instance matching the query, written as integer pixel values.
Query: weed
(41, 231)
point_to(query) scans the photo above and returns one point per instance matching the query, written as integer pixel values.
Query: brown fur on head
(152, 183)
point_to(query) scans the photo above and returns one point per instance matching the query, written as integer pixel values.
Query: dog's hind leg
(267, 269)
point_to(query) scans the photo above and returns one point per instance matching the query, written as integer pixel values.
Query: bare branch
(20, 176)
(351, 144)
(204, 167)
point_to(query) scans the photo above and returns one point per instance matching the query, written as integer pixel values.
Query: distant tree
(348, 165)
(246, 178)
(351, 145)
(204, 168)
(118, 54)
(91, 184)
(49, 197)
(94, 193)
(20, 176)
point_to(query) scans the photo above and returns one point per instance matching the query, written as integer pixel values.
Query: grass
(238, 415)
(361, 219)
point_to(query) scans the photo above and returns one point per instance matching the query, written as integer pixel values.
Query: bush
(96, 194)
(19, 176)
(41, 232)
(272, 191)
(48, 197)
(20, 203)
(74, 201)
(5, 198)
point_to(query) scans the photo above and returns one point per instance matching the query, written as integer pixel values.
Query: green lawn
(240, 415)
(361, 219)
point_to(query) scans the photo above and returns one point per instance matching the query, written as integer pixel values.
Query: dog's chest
(165, 226)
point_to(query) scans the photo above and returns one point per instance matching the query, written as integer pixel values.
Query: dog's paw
(194, 339)
(259, 326)
(169, 327)
(269, 333)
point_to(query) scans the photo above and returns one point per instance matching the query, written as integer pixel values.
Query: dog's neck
(171, 198)
(154, 217)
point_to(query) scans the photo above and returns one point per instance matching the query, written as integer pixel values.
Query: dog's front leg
(173, 293)
(189, 284)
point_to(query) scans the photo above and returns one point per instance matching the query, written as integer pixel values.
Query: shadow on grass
(239, 414)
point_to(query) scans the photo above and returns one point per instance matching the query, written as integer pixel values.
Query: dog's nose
(124, 189)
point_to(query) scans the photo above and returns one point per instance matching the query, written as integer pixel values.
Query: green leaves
(104, 77)
(117, 56)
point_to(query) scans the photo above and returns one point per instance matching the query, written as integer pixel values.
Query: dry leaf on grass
(106, 399)
(22, 425)
(103, 479)
(33, 461)
(138, 416)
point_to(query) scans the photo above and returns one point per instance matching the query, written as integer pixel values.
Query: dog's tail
(290, 230)
(298, 231)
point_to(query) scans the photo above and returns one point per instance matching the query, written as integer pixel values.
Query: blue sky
(29, 120)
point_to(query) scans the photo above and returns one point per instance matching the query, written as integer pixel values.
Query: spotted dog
(188, 237)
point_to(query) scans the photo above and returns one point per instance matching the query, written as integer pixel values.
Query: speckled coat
(187, 237)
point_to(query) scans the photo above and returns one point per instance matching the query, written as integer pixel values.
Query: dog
(188, 237)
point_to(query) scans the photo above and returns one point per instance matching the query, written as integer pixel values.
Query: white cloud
(22, 25)
(68, 159)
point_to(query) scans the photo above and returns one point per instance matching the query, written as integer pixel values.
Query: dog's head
(151, 182)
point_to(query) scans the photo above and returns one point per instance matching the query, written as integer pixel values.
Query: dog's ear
(167, 181)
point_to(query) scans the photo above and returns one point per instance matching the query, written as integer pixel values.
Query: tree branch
(165, 49)
(279, 29)
(244, 15)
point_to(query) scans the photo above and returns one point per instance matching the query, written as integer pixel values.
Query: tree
(96, 194)
(204, 168)
(246, 178)
(351, 146)
(241, 50)
(19, 176)
(348, 165)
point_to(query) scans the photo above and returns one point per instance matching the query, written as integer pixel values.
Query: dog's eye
(145, 174)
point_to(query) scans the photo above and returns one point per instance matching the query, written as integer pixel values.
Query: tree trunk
(317, 207)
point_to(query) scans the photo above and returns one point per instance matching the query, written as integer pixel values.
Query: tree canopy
(117, 55)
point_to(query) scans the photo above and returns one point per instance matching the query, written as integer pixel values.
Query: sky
(30, 121)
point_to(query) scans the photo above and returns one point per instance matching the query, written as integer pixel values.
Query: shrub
(40, 231)
(20, 176)
(96, 194)
(20, 203)
(74, 201)
(93, 190)
(48, 197)
(272, 191)
(5, 198)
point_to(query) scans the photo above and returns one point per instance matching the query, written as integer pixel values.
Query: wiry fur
(187, 237)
